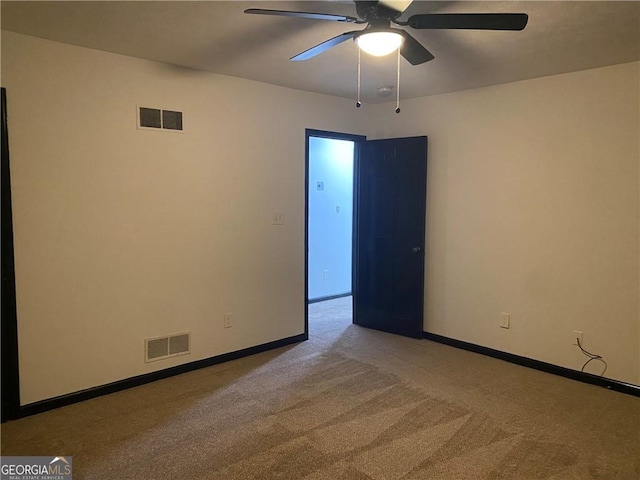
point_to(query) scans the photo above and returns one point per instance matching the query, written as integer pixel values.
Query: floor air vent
(165, 347)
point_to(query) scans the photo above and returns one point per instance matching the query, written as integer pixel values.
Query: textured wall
(533, 209)
(123, 234)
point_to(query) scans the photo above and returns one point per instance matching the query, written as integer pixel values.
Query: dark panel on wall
(10, 380)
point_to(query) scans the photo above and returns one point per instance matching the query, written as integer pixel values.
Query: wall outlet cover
(577, 334)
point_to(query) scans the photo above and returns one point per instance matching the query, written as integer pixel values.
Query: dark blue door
(390, 227)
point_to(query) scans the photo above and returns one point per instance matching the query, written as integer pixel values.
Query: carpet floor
(350, 403)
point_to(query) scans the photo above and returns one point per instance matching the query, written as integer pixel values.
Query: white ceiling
(217, 36)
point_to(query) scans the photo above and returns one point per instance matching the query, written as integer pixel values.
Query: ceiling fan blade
(323, 47)
(413, 51)
(314, 16)
(469, 21)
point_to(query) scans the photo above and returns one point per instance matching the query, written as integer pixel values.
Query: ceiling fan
(380, 38)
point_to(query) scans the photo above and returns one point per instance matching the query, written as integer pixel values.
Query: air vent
(158, 119)
(157, 348)
(171, 120)
(179, 344)
(166, 347)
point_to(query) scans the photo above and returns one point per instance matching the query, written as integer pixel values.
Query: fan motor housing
(372, 11)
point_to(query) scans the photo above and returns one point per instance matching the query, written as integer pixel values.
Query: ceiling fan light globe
(379, 44)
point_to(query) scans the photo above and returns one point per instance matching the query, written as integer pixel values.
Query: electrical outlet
(325, 274)
(505, 320)
(577, 334)
(227, 320)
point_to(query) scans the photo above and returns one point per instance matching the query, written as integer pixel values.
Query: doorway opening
(383, 269)
(330, 188)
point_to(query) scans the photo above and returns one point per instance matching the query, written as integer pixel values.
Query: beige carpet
(350, 403)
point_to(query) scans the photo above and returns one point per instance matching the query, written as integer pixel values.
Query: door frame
(10, 380)
(357, 140)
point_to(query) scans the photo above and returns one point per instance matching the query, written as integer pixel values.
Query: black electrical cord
(592, 357)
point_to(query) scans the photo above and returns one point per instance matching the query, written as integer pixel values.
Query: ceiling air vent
(158, 119)
(166, 347)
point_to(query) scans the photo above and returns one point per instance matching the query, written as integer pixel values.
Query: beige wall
(533, 210)
(122, 234)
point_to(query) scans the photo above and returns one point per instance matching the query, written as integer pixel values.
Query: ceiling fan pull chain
(398, 85)
(358, 103)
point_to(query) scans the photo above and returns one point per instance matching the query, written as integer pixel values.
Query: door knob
(416, 250)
